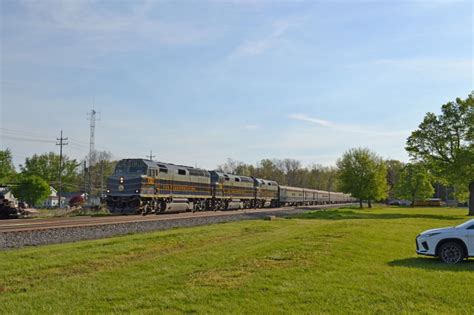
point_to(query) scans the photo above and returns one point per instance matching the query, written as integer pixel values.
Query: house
(52, 201)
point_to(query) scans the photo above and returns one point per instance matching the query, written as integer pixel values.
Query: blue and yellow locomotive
(144, 186)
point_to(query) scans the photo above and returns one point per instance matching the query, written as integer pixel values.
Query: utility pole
(93, 119)
(151, 156)
(61, 144)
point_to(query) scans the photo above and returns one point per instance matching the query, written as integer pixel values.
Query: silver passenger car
(291, 196)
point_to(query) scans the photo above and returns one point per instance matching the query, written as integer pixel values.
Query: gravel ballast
(36, 237)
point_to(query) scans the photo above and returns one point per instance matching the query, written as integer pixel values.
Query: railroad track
(51, 223)
(34, 232)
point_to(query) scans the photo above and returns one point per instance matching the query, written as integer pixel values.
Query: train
(140, 186)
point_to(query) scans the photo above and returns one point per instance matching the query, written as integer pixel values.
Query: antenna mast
(151, 156)
(93, 119)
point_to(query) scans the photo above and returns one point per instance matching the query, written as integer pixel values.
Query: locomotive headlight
(108, 190)
(137, 190)
(121, 180)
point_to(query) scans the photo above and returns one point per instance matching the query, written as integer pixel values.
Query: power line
(75, 144)
(61, 144)
(78, 141)
(8, 137)
(20, 132)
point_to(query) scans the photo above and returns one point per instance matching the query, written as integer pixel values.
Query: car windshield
(466, 224)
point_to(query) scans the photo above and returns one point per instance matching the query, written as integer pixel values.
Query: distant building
(53, 199)
(445, 194)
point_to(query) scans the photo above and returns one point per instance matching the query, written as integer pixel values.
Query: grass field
(338, 261)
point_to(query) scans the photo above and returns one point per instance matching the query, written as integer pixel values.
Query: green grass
(70, 212)
(338, 261)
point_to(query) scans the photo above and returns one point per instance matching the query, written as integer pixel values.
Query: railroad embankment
(20, 233)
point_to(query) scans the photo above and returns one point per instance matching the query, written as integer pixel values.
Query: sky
(198, 82)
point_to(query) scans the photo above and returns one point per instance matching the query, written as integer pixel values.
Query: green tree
(245, 170)
(415, 183)
(445, 143)
(46, 166)
(363, 174)
(7, 169)
(394, 170)
(268, 169)
(94, 177)
(291, 168)
(322, 178)
(32, 189)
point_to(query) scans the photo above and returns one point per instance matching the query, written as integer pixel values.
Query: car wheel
(451, 253)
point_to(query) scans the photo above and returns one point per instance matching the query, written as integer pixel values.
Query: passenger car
(451, 244)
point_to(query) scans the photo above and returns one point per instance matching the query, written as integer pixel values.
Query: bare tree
(230, 166)
(290, 168)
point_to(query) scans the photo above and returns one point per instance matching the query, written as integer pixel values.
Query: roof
(193, 171)
(232, 176)
(291, 188)
(265, 181)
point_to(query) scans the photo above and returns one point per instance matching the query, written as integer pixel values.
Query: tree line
(441, 150)
(286, 172)
(40, 171)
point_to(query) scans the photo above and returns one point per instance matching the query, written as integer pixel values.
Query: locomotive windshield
(131, 167)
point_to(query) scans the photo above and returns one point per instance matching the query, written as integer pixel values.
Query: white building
(52, 201)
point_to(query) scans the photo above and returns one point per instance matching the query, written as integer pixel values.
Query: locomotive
(140, 186)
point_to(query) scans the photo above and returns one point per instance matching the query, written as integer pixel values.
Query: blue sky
(197, 82)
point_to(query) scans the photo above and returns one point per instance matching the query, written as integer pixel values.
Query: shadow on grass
(431, 263)
(348, 215)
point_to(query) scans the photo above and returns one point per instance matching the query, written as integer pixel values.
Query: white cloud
(317, 121)
(348, 128)
(83, 35)
(259, 46)
(98, 29)
(81, 16)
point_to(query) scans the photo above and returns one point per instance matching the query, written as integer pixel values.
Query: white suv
(451, 245)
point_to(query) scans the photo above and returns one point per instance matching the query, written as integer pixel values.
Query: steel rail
(54, 223)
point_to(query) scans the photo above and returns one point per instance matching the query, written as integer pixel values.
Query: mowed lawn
(337, 261)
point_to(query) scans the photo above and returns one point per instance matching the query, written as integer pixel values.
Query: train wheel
(161, 207)
(197, 206)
